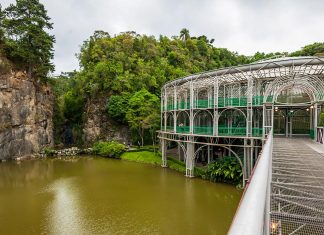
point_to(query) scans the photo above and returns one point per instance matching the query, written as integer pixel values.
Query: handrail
(252, 215)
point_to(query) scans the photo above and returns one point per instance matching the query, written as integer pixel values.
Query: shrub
(226, 170)
(49, 152)
(321, 119)
(109, 149)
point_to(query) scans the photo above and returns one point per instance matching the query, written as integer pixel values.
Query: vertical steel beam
(162, 111)
(175, 106)
(317, 111)
(165, 109)
(249, 113)
(191, 123)
(215, 121)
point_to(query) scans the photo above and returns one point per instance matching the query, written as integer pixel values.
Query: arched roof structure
(252, 89)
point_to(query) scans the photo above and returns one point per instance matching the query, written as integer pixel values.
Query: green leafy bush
(226, 170)
(117, 106)
(49, 152)
(321, 119)
(109, 149)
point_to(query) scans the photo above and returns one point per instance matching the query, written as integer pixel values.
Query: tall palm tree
(184, 34)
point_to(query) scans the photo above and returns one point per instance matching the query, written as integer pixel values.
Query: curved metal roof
(307, 65)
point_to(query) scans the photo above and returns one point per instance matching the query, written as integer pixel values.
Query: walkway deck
(297, 187)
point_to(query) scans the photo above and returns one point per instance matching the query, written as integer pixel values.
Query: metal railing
(209, 103)
(222, 130)
(253, 214)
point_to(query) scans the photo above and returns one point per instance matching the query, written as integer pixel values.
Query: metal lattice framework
(236, 103)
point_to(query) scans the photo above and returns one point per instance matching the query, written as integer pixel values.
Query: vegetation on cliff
(24, 37)
(128, 70)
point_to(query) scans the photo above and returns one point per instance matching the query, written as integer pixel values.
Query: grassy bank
(143, 157)
(176, 165)
(155, 159)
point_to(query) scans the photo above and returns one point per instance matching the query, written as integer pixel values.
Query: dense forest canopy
(124, 67)
(127, 70)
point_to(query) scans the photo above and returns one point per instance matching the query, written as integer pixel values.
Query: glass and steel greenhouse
(230, 111)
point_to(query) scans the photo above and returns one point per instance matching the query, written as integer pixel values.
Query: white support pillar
(267, 118)
(208, 154)
(246, 163)
(179, 152)
(190, 161)
(162, 112)
(249, 114)
(165, 109)
(215, 118)
(191, 122)
(317, 112)
(251, 155)
(175, 105)
(163, 151)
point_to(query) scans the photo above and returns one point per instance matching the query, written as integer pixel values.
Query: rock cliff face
(26, 111)
(97, 126)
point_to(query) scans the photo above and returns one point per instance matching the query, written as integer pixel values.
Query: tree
(73, 107)
(315, 49)
(1, 26)
(117, 106)
(184, 34)
(28, 42)
(143, 112)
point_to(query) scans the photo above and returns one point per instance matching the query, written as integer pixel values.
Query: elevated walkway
(297, 187)
(285, 194)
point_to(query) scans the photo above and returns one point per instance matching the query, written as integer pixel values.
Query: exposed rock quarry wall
(97, 126)
(26, 111)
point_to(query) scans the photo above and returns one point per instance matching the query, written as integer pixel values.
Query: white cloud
(244, 26)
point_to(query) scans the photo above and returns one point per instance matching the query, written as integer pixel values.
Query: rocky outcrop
(98, 126)
(73, 151)
(26, 111)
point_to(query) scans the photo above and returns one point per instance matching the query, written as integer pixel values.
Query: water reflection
(64, 213)
(104, 196)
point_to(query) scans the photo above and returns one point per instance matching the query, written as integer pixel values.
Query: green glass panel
(202, 104)
(183, 129)
(183, 105)
(232, 131)
(257, 132)
(221, 102)
(207, 130)
(312, 133)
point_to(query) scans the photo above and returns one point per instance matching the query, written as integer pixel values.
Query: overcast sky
(245, 26)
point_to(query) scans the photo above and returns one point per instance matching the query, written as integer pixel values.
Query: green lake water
(107, 196)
